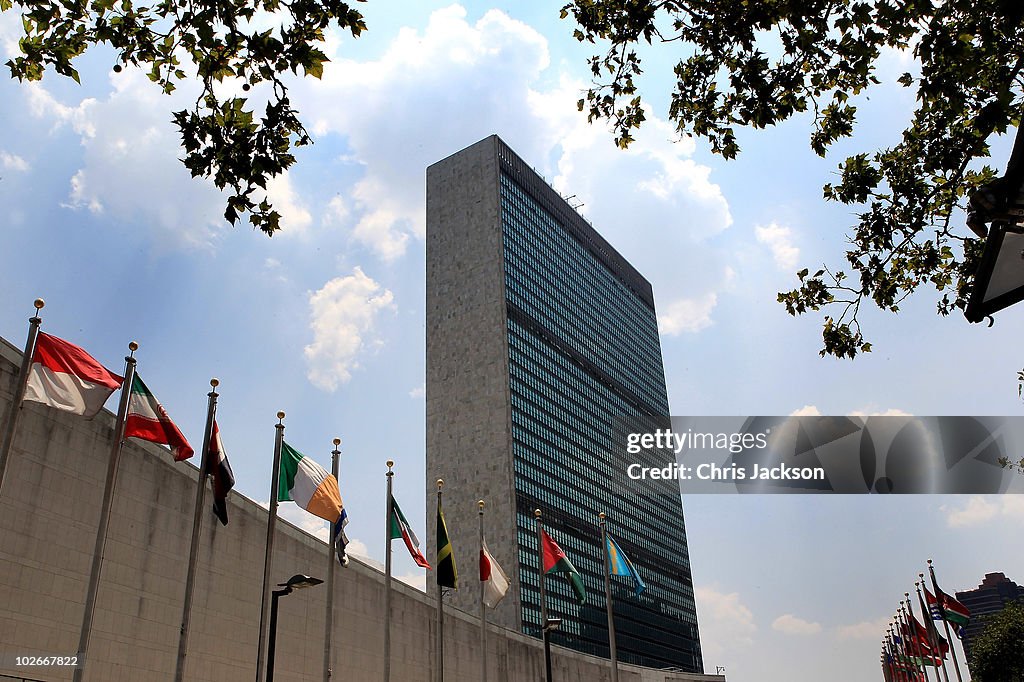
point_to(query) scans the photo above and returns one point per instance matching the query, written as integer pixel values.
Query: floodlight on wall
(999, 281)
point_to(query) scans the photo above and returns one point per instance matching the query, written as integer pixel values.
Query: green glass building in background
(542, 351)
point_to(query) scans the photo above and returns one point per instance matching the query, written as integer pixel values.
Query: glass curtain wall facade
(584, 361)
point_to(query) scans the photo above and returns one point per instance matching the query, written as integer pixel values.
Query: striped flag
(308, 484)
(400, 528)
(66, 377)
(555, 561)
(495, 581)
(219, 469)
(147, 420)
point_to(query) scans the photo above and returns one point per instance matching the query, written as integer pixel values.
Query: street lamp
(999, 281)
(296, 582)
(550, 625)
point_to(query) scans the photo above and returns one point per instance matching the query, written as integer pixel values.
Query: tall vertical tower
(542, 343)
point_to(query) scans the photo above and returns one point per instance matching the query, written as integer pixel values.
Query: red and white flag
(66, 377)
(494, 579)
(147, 419)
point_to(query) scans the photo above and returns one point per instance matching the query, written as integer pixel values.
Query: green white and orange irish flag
(147, 419)
(66, 377)
(308, 485)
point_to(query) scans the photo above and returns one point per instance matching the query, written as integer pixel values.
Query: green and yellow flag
(447, 576)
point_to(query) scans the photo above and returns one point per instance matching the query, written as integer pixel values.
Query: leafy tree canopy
(969, 89)
(208, 41)
(997, 654)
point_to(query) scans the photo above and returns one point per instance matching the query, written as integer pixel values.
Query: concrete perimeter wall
(49, 509)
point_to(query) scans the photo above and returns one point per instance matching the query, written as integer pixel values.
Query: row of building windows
(566, 246)
(602, 449)
(585, 361)
(559, 281)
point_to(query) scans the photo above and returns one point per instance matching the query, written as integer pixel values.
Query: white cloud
(980, 509)
(687, 315)
(337, 212)
(297, 516)
(13, 162)
(875, 412)
(813, 411)
(43, 105)
(418, 392)
(417, 580)
(343, 315)
(130, 170)
(295, 218)
(460, 80)
(10, 31)
(864, 630)
(450, 84)
(726, 624)
(779, 240)
(792, 625)
(358, 549)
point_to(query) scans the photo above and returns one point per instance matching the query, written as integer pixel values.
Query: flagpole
(908, 643)
(104, 522)
(952, 648)
(543, 601)
(483, 607)
(898, 669)
(608, 598)
(197, 525)
(910, 621)
(387, 575)
(440, 599)
(275, 474)
(19, 392)
(910, 670)
(933, 634)
(329, 618)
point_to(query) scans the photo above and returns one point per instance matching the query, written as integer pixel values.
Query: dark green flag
(447, 576)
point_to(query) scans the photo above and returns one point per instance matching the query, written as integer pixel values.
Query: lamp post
(550, 625)
(296, 582)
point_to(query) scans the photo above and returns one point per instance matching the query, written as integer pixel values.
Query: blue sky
(326, 320)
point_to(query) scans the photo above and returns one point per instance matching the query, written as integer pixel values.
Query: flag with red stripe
(147, 419)
(400, 528)
(66, 377)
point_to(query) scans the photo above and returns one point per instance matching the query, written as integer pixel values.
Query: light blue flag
(619, 564)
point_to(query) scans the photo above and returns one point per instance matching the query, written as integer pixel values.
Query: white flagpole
(19, 392)
(268, 559)
(104, 523)
(197, 526)
(387, 576)
(483, 607)
(329, 619)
